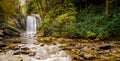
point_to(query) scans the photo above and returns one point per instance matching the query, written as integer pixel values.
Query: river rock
(88, 56)
(14, 47)
(32, 53)
(0, 50)
(42, 45)
(69, 40)
(113, 50)
(25, 51)
(1, 32)
(17, 53)
(61, 39)
(2, 45)
(25, 48)
(105, 47)
(48, 39)
(18, 41)
(36, 43)
(54, 43)
(82, 54)
(1, 38)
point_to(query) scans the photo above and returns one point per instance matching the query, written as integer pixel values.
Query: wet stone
(17, 53)
(54, 43)
(25, 48)
(0, 50)
(74, 50)
(32, 53)
(107, 54)
(61, 39)
(16, 41)
(93, 48)
(100, 52)
(63, 49)
(69, 40)
(74, 58)
(42, 45)
(97, 39)
(2, 45)
(81, 59)
(25, 52)
(14, 47)
(71, 44)
(1, 38)
(88, 56)
(105, 47)
(38, 58)
(36, 43)
(112, 50)
(117, 59)
(82, 54)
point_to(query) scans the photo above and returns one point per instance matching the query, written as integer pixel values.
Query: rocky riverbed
(30, 50)
(59, 49)
(88, 50)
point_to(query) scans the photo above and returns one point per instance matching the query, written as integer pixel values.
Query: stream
(29, 49)
(59, 49)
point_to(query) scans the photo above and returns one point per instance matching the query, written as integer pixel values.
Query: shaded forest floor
(78, 49)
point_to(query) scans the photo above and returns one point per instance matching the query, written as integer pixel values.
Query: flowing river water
(28, 49)
(58, 49)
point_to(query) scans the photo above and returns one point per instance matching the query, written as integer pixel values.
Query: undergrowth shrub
(60, 22)
(91, 22)
(95, 24)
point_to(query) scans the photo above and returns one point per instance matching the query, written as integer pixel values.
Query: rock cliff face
(7, 30)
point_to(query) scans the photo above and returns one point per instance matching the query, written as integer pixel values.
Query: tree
(8, 8)
(107, 4)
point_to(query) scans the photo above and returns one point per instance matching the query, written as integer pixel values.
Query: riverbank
(88, 50)
(60, 49)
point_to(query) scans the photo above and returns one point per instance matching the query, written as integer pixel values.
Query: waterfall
(31, 26)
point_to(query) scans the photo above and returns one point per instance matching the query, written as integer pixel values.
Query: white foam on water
(46, 53)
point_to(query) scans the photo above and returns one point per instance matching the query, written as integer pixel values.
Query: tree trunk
(107, 7)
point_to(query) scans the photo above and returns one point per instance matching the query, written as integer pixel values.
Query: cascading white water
(31, 26)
